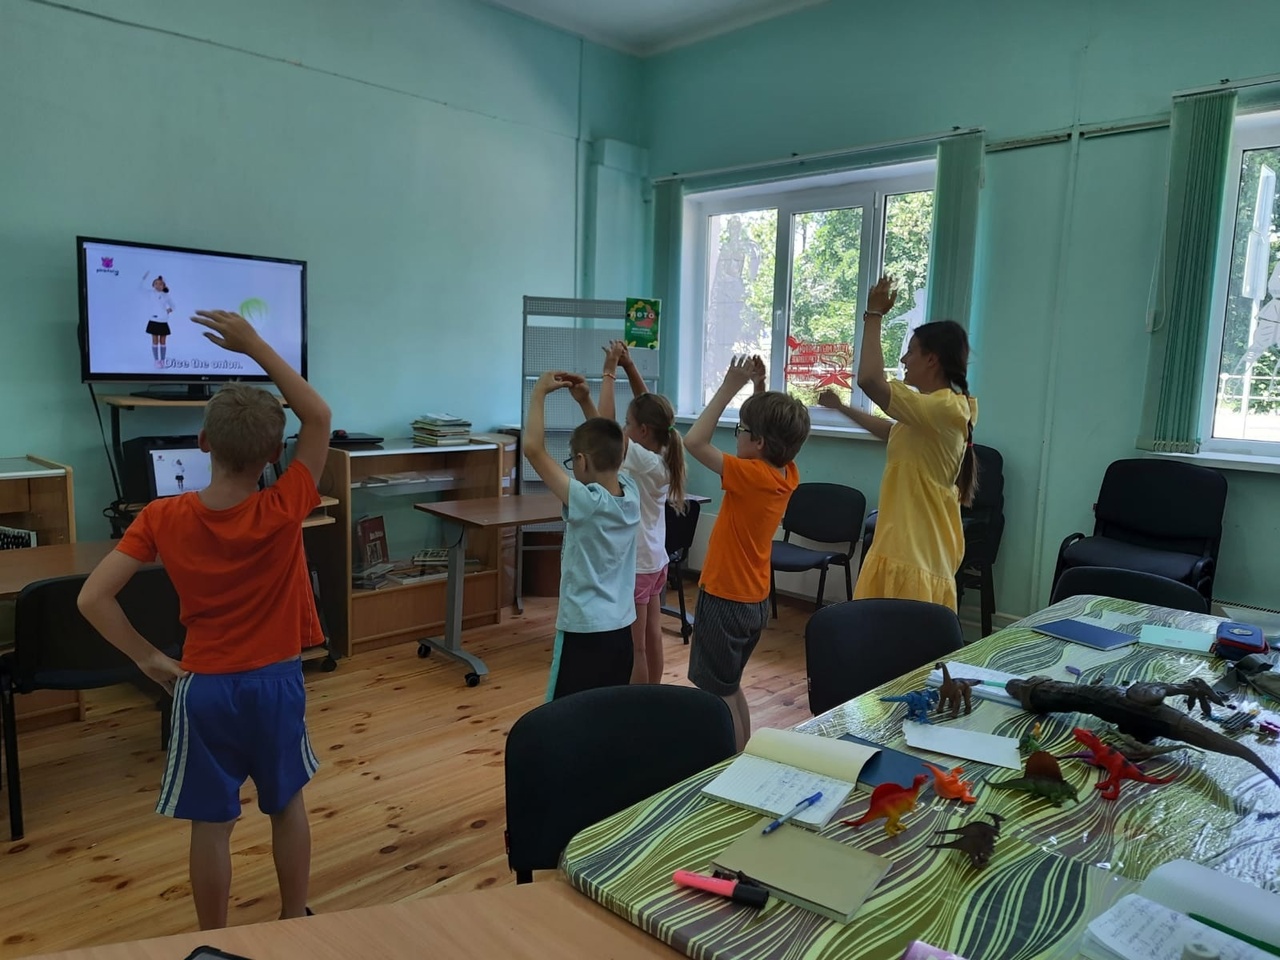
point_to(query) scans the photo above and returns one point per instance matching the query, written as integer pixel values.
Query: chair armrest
(1073, 538)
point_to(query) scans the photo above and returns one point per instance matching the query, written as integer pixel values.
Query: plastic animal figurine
(1137, 751)
(977, 840)
(949, 786)
(1118, 767)
(952, 692)
(891, 801)
(1030, 741)
(1138, 710)
(919, 703)
(1043, 777)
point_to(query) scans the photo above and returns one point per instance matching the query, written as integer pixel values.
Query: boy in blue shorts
(234, 554)
(598, 562)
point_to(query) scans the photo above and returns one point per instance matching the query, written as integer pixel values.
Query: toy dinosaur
(977, 839)
(919, 703)
(1118, 767)
(891, 801)
(952, 692)
(1138, 710)
(949, 786)
(1137, 751)
(1042, 777)
(1030, 741)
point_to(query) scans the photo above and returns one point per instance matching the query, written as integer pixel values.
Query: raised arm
(580, 390)
(233, 332)
(698, 440)
(535, 435)
(877, 426)
(871, 376)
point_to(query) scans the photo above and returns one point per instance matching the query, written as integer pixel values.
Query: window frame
(1251, 131)
(868, 188)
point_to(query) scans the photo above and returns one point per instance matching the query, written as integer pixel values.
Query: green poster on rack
(641, 327)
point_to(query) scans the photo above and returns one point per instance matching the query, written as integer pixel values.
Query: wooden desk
(536, 921)
(480, 513)
(21, 567)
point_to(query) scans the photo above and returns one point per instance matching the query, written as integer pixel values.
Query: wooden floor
(408, 801)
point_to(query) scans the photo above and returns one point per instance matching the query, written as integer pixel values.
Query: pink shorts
(650, 585)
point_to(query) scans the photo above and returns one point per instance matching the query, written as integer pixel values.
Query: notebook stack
(441, 430)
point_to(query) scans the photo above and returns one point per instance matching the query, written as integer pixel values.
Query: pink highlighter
(735, 890)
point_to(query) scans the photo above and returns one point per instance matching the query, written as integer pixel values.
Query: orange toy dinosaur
(891, 801)
(949, 786)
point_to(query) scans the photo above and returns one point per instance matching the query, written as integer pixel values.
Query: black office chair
(55, 648)
(575, 761)
(1156, 516)
(983, 525)
(853, 647)
(681, 529)
(1132, 585)
(821, 513)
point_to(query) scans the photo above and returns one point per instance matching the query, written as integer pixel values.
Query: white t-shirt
(597, 561)
(649, 471)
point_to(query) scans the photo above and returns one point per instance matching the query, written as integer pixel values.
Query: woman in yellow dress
(929, 466)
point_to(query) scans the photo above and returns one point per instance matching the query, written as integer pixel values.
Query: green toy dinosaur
(1041, 777)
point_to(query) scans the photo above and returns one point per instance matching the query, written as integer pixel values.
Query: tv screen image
(136, 302)
(175, 470)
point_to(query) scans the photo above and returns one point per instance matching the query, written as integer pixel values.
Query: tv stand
(193, 391)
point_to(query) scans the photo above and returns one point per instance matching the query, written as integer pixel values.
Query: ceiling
(645, 27)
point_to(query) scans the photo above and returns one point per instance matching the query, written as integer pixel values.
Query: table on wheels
(464, 515)
(1053, 870)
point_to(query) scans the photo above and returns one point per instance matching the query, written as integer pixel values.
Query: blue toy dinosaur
(919, 703)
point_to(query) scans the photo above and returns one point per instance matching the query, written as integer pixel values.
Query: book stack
(441, 430)
(373, 577)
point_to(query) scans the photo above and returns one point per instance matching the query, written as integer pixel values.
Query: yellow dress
(919, 542)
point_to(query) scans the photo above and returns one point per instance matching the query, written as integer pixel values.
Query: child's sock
(155, 352)
(163, 351)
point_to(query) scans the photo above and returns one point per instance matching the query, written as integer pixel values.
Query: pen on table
(799, 808)
(736, 890)
(1223, 928)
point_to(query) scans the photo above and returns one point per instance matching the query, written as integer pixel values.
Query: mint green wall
(1069, 232)
(424, 161)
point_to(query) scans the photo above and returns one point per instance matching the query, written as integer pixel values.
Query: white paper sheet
(1193, 888)
(1140, 929)
(1192, 641)
(774, 788)
(965, 744)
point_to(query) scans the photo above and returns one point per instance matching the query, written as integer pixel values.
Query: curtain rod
(822, 155)
(1229, 84)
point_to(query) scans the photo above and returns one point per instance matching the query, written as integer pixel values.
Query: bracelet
(609, 375)
(872, 313)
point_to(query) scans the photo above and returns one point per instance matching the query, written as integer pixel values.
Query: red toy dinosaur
(892, 801)
(949, 786)
(1118, 767)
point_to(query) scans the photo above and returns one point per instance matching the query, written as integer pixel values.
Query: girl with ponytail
(654, 459)
(930, 469)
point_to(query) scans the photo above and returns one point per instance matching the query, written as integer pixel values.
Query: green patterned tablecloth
(1054, 869)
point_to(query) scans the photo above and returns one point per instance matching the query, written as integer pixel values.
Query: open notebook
(1155, 922)
(779, 768)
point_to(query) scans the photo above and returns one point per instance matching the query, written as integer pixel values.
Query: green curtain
(668, 236)
(954, 243)
(1200, 146)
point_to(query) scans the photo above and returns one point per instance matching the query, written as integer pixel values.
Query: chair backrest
(855, 646)
(56, 648)
(681, 529)
(1135, 585)
(577, 760)
(825, 513)
(984, 520)
(1162, 504)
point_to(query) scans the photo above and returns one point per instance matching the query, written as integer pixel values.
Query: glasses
(568, 462)
(741, 427)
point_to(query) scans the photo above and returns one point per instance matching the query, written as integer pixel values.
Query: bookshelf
(395, 613)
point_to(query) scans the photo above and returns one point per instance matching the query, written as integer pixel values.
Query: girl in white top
(653, 456)
(159, 307)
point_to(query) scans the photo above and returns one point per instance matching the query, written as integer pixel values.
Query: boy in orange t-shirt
(733, 595)
(234, 554)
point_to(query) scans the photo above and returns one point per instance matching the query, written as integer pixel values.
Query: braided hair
(947, 341)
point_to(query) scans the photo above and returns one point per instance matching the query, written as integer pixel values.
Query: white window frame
(1251, 132)
(867, 188)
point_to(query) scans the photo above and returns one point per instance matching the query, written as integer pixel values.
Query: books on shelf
(407, 477)
(371, 541)
(441, 430)
(14, 538)
(371, 577)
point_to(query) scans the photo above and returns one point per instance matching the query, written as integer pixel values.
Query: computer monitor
(176, 470)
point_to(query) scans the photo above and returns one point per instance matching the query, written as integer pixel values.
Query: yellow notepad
(825, 876)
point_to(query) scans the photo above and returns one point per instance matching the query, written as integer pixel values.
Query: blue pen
(799, 808)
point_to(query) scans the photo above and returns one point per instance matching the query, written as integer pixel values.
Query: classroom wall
(1069, 232)
(426, 157)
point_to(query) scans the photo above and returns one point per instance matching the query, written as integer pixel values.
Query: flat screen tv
(136, 301)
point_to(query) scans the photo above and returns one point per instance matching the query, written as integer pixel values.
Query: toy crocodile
(1137, 751)
(919, 703)
(1138, 710)
(1042, 777)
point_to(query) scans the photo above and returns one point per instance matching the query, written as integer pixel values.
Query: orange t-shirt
(240, 573)
(738, 554)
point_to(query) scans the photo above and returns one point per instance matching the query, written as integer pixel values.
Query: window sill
(816, 430)
(1225, 461)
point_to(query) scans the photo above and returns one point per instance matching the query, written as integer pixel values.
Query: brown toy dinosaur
(976, 840)
(952, 692)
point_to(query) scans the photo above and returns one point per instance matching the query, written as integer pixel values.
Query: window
(783, 270)
(1241, 408)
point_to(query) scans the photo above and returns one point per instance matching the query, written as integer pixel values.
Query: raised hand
(555, 380)
(883, 296)
(228, 330)
(758, 371)
(741, 372)
(830, 399)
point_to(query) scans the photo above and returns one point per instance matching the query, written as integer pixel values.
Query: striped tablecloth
(1053, 870)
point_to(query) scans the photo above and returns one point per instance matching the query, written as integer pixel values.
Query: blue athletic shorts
(229, 727)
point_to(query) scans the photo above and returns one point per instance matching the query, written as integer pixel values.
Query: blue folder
(1076, 631)
(887, 766)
